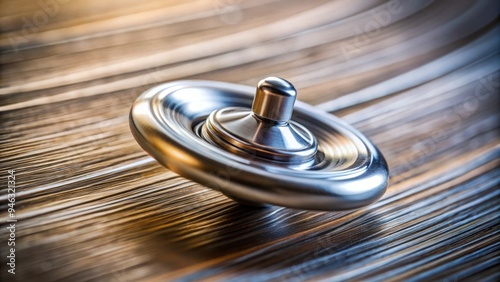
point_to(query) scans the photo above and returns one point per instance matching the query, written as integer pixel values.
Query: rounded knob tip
(274, 99)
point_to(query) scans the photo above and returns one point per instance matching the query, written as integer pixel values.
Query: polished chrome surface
(266, 131)
(347, 171)
(274, 99)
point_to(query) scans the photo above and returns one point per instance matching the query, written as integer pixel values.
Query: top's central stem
(267, 131)
(274, 99)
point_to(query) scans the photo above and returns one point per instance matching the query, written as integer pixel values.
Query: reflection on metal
(266, 131)
(259, 150)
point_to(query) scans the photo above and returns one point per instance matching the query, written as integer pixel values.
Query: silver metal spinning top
(262, 149)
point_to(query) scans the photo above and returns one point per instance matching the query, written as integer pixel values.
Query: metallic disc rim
(165, 119)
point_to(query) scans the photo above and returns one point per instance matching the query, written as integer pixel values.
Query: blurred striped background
(420, 78)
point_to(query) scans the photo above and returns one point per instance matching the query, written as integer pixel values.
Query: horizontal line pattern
(92, 206)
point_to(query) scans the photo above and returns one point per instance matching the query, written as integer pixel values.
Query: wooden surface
(420, 78)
